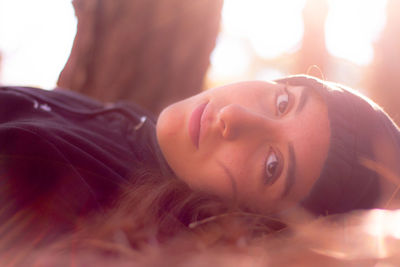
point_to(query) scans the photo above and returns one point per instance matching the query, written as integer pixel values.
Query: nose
(236, 121)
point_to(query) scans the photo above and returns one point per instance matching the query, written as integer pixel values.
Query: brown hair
(154, 209)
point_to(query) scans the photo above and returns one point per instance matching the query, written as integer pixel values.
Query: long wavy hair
(153, 210)
(161, 222)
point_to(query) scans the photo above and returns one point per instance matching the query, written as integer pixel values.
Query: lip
(195, 123)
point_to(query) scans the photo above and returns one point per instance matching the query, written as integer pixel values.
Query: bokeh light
(255, 29)
(352, 27)
(35, 40)
(230, 58)
(259, 39)
(272, 27)
(262, 38)
(383, 223)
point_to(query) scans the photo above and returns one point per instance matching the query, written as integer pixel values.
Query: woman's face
(260, 143)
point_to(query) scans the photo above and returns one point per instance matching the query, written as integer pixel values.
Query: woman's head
(273, 145)
(360, 131)
(262, 143)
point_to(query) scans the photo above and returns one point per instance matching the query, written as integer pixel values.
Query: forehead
(311, 140)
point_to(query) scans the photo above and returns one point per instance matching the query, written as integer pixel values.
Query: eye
(282, 103)
(271, 168)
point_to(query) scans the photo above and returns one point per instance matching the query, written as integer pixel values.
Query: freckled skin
(241, 127)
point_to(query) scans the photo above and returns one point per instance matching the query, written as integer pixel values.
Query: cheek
(218, 173)
(207, 176)
(228, 172)
(171, 136)
(169, 122)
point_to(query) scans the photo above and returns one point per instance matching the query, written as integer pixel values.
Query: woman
(266, 147)
(273, 145)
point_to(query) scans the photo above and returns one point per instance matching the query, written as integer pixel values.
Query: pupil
(272, 167)
(282, 106)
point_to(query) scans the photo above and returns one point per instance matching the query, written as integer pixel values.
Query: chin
(169, 125)
(170, 130)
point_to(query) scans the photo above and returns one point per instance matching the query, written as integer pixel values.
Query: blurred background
(155, 52)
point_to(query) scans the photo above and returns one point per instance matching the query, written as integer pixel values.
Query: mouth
(195, 123)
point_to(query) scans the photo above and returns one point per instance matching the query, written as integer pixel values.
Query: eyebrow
(303, 99)
(290, 177)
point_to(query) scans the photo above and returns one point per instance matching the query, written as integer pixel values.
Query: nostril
(221, 124)
(226, 121)
(225, 131)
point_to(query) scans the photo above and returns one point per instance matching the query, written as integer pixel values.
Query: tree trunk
(152, 52)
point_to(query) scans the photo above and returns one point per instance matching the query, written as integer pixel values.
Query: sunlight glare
(352, 27)
(383, 223)
(268, 74)
(229, 59)
(272, 27)
(35, 40)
